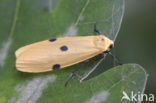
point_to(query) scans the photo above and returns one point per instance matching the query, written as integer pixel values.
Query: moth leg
(95, 29)
(76, 69)
(115, 59)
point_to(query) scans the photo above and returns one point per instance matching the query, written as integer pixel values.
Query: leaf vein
(121, 80)
(14, 20)
(82, 11)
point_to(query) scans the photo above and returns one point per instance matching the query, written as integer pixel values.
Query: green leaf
(24, 22)
(105, 88)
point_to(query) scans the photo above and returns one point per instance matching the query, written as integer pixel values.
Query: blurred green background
(137, 38)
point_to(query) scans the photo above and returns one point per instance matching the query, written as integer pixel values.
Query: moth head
(104, 43)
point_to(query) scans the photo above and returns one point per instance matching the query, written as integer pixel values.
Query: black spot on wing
(64, 48)
(52, 40)
(56, 67)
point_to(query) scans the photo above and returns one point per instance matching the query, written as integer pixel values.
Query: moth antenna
(95, 29)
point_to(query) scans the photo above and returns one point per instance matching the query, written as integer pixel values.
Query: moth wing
(22, 49)
(44, 56)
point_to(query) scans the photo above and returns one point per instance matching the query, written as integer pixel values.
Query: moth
(58, 53)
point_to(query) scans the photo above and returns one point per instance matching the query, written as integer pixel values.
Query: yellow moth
(59, 53)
